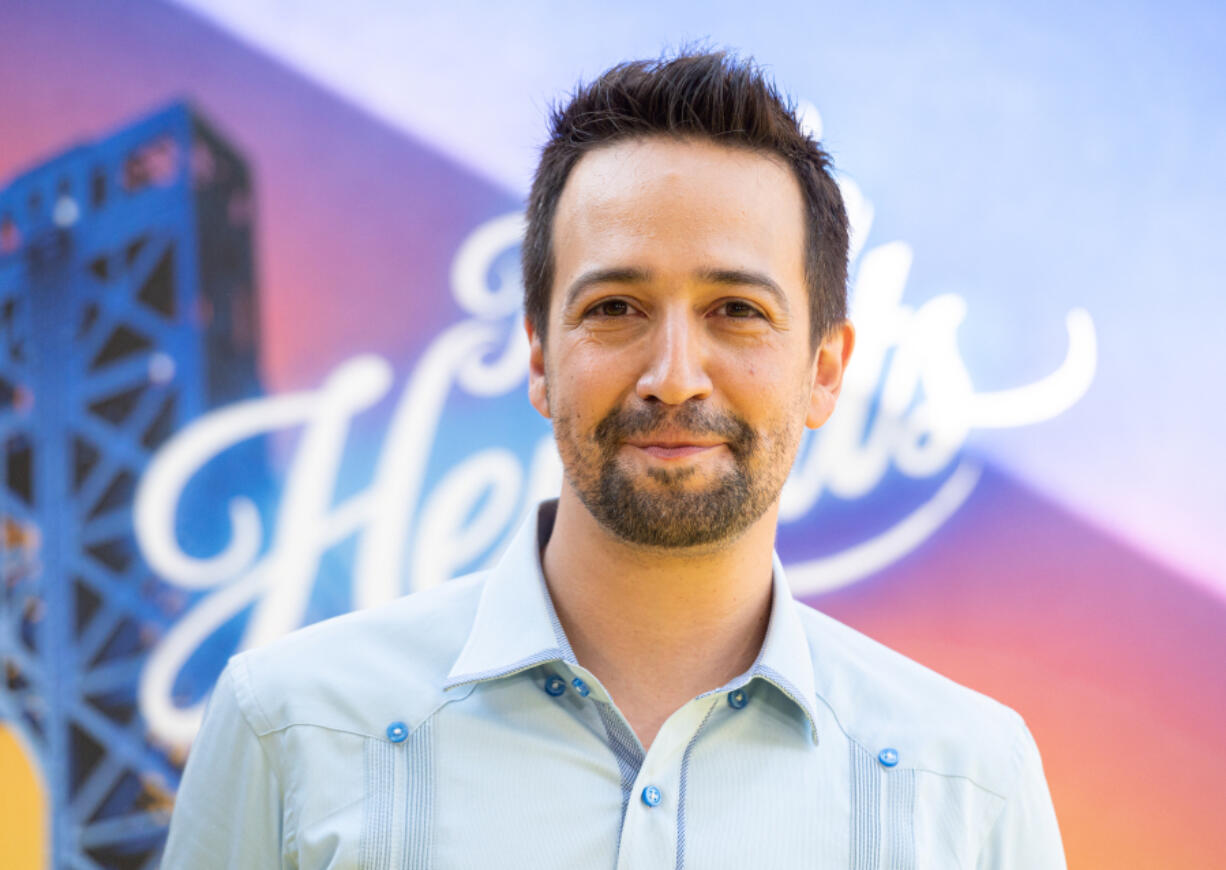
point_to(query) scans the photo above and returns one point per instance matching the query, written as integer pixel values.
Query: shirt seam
(243, 680)
(983, 788)
(443, 702)
(1019, 768)
(940, 773)
(239, 664)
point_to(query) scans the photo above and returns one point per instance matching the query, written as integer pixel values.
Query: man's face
(678, 369)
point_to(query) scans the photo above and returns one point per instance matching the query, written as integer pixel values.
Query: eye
(740, 309)
(610, 308)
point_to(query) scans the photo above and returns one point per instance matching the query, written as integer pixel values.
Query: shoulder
(362, 670)
(880, 698)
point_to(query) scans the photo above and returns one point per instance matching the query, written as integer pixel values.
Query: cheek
(761, 380)
(584, 387)
(769, 394)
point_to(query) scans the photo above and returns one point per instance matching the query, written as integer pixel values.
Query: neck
(658, 626)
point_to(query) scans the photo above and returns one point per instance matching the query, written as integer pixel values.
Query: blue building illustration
(128, 307)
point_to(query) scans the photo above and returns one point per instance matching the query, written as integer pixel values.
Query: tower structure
(127, 308)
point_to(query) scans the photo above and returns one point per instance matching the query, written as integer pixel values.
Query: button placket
(650, 829)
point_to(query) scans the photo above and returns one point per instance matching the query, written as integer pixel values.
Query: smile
(673, 451)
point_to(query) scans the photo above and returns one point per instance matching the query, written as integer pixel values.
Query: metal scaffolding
(127, 308)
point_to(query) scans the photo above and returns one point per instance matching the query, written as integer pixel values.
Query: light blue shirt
(454, 729)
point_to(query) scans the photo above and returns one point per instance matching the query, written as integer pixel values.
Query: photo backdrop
(261, 363)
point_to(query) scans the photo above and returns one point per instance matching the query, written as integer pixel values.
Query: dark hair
(712, 95)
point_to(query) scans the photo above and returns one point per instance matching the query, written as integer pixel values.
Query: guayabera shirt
(453, 728)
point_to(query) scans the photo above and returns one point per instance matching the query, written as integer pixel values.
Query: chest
(531, 788)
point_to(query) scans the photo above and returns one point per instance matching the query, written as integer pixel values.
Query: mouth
(662, 447)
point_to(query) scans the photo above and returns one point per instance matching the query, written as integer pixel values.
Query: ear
(828, 369)
(538, 395)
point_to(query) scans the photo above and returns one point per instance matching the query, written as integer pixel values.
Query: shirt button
(888, 757)
(396, 732)
(651, 796)
(737, 699)
(581, 687)
(555, 685)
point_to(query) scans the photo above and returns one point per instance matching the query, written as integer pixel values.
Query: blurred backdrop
(261, 363)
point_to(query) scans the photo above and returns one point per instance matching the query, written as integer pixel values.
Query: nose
(676, 370)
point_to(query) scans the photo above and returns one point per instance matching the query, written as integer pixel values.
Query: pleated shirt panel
(455, 729)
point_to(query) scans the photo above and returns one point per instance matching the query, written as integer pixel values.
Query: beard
(668, 512)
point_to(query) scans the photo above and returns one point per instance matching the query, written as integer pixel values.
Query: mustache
(628, 422)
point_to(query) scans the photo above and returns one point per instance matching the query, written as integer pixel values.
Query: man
(633, 686)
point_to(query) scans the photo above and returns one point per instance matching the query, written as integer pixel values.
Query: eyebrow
(743, 278)
(604, 276)
(726, 277)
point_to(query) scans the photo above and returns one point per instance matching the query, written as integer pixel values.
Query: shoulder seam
(241, 699)
(1018, 766)
(1012, 714)
(979, 785)
(278, 729)
(248, 695)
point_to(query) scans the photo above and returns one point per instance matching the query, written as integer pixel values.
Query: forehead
(669, 205)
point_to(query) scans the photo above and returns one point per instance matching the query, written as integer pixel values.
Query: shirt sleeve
(1025, 835)
(228, 810)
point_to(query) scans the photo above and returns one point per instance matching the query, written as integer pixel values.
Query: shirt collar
(785, 660)
(517, 628)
